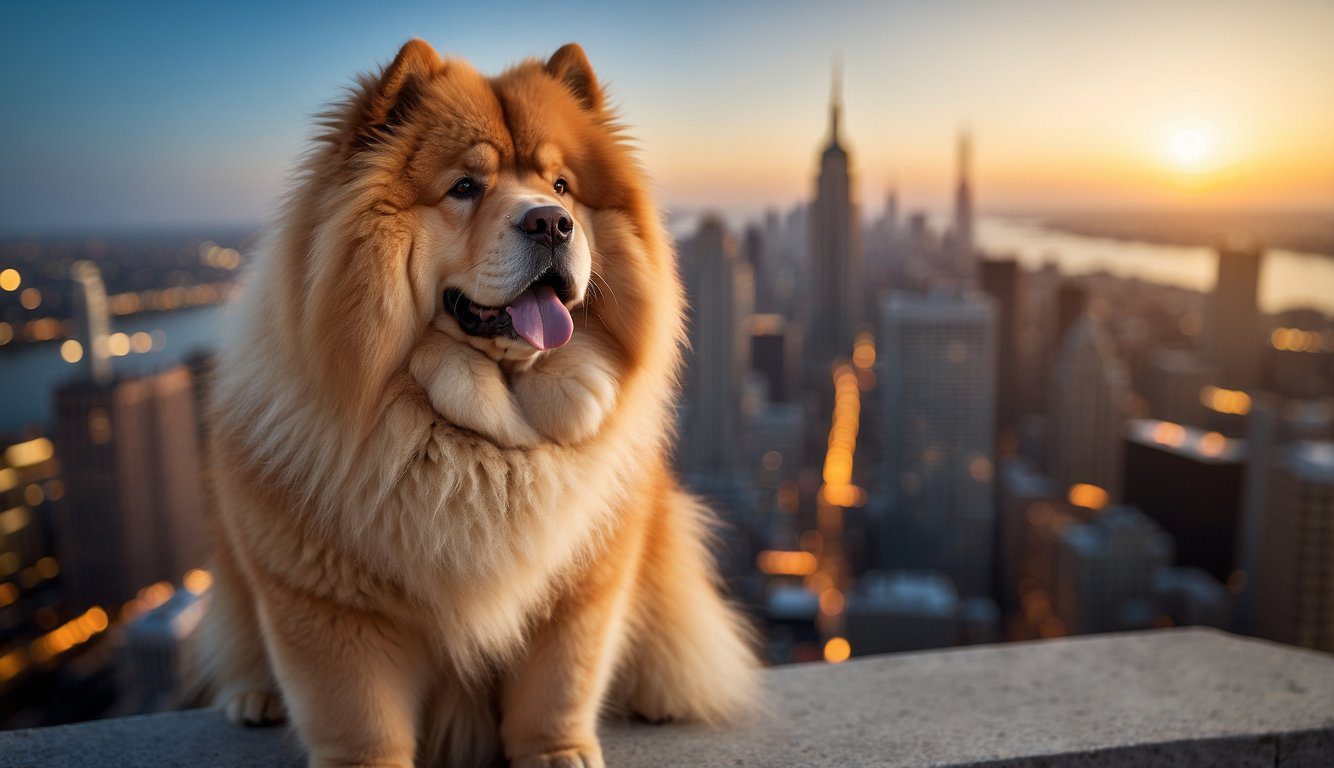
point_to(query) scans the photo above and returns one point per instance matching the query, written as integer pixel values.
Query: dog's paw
(585, 757)
(469, 390)
(253, 706)
(567, 395)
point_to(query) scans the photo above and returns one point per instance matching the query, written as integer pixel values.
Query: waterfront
(29, 376)
(1288, 280)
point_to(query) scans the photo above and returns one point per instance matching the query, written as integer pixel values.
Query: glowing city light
(28, 453)
(197, 581)
(118, 344)
(31, 298)
(1088, 496)
(70, 635)
(831, 602)
(837, 650)
(14, 520)
(1167, 433)
(11, 664)
(1229, 401)
(786, 563)
(10, 279)
(1212, 444)
(1297, 340)
(863, 351)
(71, 351)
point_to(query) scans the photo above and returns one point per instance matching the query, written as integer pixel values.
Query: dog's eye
(464, 189)
(561, 186)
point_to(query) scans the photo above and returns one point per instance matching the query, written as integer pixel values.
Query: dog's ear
(397, 88)
(570, 66)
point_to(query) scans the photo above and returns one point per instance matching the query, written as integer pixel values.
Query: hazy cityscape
(970, 361)
(916, 438)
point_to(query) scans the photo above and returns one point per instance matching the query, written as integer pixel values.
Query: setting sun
(1190, 146)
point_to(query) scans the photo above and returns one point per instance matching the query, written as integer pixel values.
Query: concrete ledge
(1185, 697)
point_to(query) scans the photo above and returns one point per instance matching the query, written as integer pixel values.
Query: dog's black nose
(549, 225)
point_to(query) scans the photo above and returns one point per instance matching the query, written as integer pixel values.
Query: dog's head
(479, 192)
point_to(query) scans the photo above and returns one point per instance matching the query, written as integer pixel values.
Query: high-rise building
(1087, 410)
(836, 257)
(713, 454)
(135, 511)
(936, 368)
(1104, 571)
(720, 290)
(1233, 333)
(962, 235)
(1000, 281)
(1191, 483)
(1295, 594)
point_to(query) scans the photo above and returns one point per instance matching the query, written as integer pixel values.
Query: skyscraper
(1000, 281)
(713, 454)
(936, 368)
(962, 237)
(1295, 596)
(135, 511)
(1234, 317)
(1088, 407)
(836, 258)
(720, 289)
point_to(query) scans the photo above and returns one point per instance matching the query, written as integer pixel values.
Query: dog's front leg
(351, 681)
(550, 701)
(469, 389)
(568, 392)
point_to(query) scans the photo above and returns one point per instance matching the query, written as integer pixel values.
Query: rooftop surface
(1184, 697)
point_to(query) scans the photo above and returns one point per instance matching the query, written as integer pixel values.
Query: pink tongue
(540, 318)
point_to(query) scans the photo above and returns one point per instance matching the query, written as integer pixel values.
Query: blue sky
(142, 113)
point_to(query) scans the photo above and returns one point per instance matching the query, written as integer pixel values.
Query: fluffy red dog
(447, 527)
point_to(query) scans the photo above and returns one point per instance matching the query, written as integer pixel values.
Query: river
(30, 375)
(1288, 280)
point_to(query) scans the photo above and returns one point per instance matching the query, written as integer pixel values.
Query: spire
(965, 158)
(836, 102)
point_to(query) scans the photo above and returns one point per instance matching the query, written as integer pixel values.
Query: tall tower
(721, 292)
(836, 259)
(962, 231)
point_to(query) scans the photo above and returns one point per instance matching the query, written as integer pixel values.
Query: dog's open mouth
(537, 314)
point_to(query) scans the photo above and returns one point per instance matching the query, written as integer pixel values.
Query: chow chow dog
(447, 529)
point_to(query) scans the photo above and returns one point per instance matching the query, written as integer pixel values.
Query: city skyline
(151, 118)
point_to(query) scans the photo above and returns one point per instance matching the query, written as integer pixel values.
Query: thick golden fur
(440, 549)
